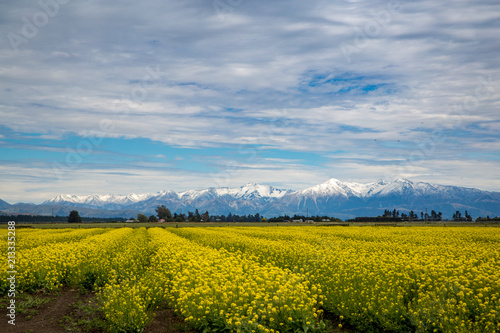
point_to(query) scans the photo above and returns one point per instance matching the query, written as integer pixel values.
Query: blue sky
(175, 95)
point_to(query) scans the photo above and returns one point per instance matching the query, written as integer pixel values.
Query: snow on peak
(262, 190)
(403, 181)
(252, 189)
(335, 187)
(330, 187)
(99, 199)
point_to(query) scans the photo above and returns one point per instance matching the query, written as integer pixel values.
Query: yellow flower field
(275, 279)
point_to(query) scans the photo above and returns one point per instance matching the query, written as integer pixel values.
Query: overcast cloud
(119, 97)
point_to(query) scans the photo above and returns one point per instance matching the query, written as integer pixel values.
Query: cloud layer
(177, 95)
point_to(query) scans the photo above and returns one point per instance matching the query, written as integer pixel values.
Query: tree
(142, 218)
(205, 217)
(74, 217)
(457, 216)
(163, 213)
(197, 215)
(152, 218)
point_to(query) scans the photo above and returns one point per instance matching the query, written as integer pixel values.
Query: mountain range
(333, 198)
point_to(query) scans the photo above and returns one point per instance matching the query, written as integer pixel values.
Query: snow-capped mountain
(333, 198)
(107, 201)
(250, 191)
(355, 199)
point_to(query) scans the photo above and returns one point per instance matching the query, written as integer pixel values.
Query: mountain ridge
(333, 198)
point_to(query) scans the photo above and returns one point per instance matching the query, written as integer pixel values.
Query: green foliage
(205, 217)
(164, 213)
(142, 218)
(31, 302)
(88, 281)
(74, 217)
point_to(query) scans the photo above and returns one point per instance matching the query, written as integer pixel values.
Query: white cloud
(268, 74)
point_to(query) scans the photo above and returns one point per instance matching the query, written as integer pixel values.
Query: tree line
(315, 218)
(412, 216)
(433, 216)
(49, 218)
(163, 213)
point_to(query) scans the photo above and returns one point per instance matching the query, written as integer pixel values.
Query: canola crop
(213, 289)
(38, 237)
(400, 279)
(276, 279)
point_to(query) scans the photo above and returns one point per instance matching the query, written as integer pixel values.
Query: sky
(125, 96)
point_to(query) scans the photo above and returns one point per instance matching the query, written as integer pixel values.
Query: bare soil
(44, 318)
(70, 311)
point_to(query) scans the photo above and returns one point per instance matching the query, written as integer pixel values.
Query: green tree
(142, 218)
(153, 218)
(205, 217)
(74, 217)
(163, 213)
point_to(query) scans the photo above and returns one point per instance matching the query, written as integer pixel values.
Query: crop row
(275, 279)
(214, 290)
(136, 271)
(398, 279)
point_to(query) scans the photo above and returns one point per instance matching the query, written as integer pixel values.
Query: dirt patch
(166, 320)
(69, 311)
(43, 318)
